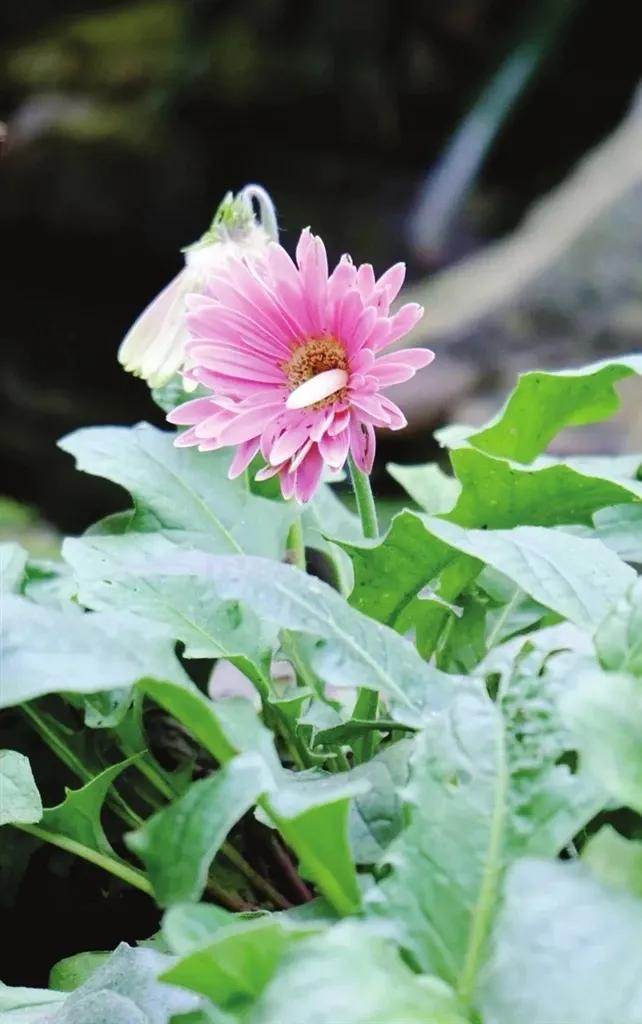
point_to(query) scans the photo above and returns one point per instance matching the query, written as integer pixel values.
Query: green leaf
(234, 968)
(178, 844)
(111, 572)
(19, 797)
(377, 816)
(187, 926)
(497, 494)
(480, 794)
(604, 712)
(126, 989)
(578, 578)
(74, 971)
(78, 817)
(432, 489)
(28, 1005)
(620, 528)
(565, 949)
(543, 403)
(345, 648)
(327, 517)
(181, 488)
(311, 811)
(47, 650)
(614, 860)
(349, 974)
(618, 641)
(13, 562)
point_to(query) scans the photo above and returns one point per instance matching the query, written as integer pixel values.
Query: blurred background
(495, 146)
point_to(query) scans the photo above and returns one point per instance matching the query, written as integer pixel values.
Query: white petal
(317, 388)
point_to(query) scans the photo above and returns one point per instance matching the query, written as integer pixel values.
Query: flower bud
(154, 346)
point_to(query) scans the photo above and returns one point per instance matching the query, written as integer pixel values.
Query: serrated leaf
(480, 794)
(614, 860)
(47, 650)
(544, 403)
(179, 842)
(349, 974)
(19, 797)
(181, 489)
(565, 948)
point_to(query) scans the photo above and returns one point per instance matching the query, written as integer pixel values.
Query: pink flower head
(292, 358)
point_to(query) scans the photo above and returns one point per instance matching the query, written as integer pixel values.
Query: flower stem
(296, 544)
(365, 501)
(367, 704)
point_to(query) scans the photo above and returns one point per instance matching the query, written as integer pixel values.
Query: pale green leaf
(19, 797)
(432, 489)
(47, 650)
(618, 640)
(181, 488)
(350, 975)
(13, 561)
(565, 949)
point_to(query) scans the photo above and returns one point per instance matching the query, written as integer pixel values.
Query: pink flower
(292, 358)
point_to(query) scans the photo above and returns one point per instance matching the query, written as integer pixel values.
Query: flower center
(317, 374)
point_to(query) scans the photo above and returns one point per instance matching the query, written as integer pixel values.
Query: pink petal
(186, 439)
(308, 475)
(362, 444)
(396, 419)
(340, 422)
(191, 412)
(341, 279)
(244, 455)
(404, 321)
(371, 406)
(379, 335)
(362, 330)
(323, 422)
(346, 316)
(246, 425)
(392, 280)
(288, 443)
(266, 472)
(288, 482)
(334, 450)
(365, 280)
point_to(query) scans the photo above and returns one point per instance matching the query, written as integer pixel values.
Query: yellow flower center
(317, 374)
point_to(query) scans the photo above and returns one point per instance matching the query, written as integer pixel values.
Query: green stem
(367, 704)
(296, 544)
(257, 880)
(115, 867)
(365, 501)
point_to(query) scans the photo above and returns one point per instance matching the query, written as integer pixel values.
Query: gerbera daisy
(291, 356)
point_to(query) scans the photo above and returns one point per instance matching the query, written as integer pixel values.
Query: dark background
(126, 123)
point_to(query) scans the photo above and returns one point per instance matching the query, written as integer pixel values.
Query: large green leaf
(47, 650)
(344, 647)
(480, 793)
(604, 712)
(178, 844)
(497, 494)
(543, 403)
(28, 1005)
(432, 489)
(188, 926)
(350, 975)
(577, 577)
(234, 968)
(565, 949)
(19, 797)
(111, 572)
(181, 488)
(620, 528)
